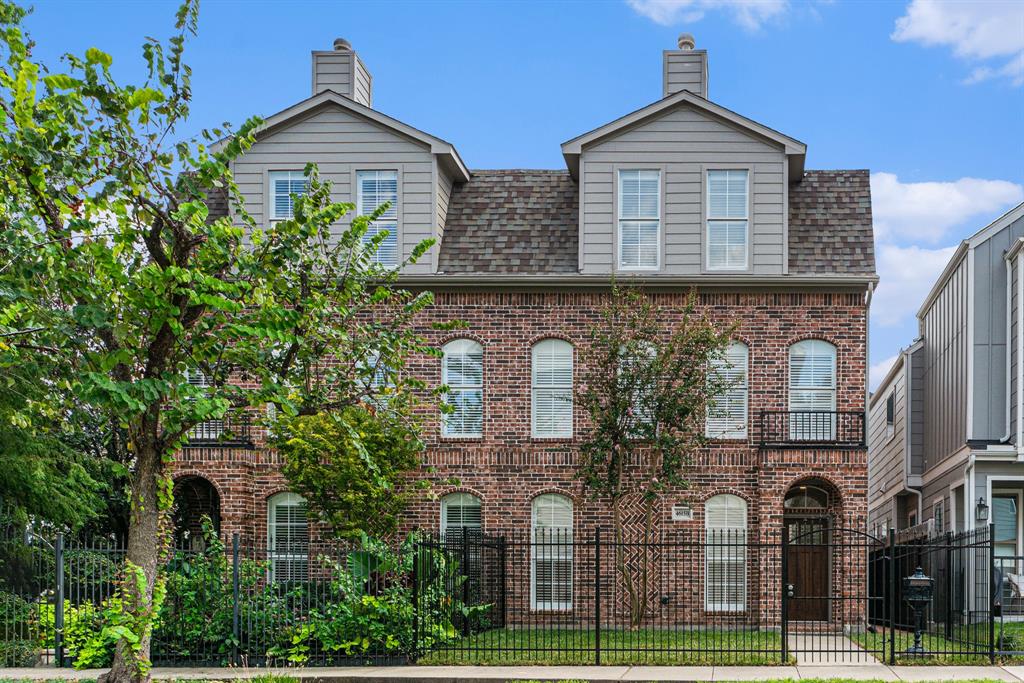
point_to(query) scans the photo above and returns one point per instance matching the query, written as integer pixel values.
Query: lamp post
(917, 591)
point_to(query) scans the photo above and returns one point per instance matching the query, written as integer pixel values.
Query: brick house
(681, 194)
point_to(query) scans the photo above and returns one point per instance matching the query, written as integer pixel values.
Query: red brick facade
(506, 468)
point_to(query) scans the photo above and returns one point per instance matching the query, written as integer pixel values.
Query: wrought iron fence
(231, 430)
(811, 428)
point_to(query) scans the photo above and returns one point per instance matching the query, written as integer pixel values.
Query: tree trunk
(143, 552)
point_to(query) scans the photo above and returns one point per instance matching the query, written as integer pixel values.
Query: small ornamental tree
(112, 268)
(646, 390)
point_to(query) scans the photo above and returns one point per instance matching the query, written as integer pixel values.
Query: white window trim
(552, 606)
(890, 430)
(741, 433)
(272, 196)
(446, 500)
(286, 498)
(444, 380)
(710, 606)
(791, 387)
(940, 502)
(565, 433)
(706, 231)
(619, 218)
(392, 225)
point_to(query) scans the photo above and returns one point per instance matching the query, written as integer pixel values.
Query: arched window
(727, 413)
(806, 497)
(552, 388)
(288, 537)
(459, 511)
(462, 370)
(551, 535)
(812, 391)
(725, 585)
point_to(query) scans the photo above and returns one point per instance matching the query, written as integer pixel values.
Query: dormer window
(639, 219)
(375, 188)
(727, 219)
(283, 185)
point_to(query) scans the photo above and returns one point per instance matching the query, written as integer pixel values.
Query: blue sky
(928, 95)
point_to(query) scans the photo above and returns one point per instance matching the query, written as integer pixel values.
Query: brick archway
(194, 498)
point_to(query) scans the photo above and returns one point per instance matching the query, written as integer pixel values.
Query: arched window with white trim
(727, 412)
(551, 381)
(462, 371)
(725, 584)
(551, 538)
(812, 391)
(288, 537)
(459, 511)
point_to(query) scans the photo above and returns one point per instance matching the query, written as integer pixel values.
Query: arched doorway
(809, 511)
(194, 498)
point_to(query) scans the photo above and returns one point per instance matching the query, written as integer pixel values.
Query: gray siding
(362, 90)
(341, 143)
(887, 456)
(940, 487)
(944, 327)
(916, 411)
(990, 371)
(343, 72)
(683, 142)
(443, 197)
(686, 70)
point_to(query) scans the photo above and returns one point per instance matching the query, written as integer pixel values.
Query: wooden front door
(807, 568)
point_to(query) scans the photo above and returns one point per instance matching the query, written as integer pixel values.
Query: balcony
(235, 430)
(811, 429)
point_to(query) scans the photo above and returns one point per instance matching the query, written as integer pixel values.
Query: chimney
(686, 68)
(342, 71)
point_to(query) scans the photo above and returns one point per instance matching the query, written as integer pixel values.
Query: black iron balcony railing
(230, 431)
(811, 428)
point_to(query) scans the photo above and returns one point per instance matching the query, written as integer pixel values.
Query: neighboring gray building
(945, 440)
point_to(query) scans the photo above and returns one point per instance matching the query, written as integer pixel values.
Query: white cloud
(878, 371)
(750, 14)
(976, 30)
(906, 275)
(926, 211)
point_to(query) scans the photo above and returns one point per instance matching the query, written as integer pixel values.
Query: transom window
(728, 222)
(376, 188)
(288, 531)
(462, 371)
(552, 388)
(639, 219)
(725, 586)
(551, 535)
(727, 414)
(812, 391)
(283, 185)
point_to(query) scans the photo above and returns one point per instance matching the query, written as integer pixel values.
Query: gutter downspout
(1009, 313)
(1020, 358)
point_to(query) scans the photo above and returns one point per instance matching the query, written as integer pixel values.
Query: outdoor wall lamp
(917, 591)
(981, 511)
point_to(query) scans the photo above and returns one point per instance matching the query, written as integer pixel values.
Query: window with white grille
(639, 219)
(459, 511)
(812, 391)
(551, 538)
(288, 537)
(728, 222)
(462, 371)
(284, 184)
(373, 189)
(210, 430)
(727, 413)
(552, 388)
(725, 585)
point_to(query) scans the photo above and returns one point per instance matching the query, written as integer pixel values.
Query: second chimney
(686, 68)
(342, 71)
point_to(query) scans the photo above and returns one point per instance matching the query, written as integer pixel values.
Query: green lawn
(971, 642)
(562, 646)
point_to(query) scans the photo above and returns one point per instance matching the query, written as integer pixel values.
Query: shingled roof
(512, 221)
(830, 224)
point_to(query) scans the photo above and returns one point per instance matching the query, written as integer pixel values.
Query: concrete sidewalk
(596, 674)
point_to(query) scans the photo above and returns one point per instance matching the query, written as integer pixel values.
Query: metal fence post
(415, 598)
(784, 602)
(949, 585)
(991, 594)
(58, 608)
(465, 579)
(236, 631)
(892, 596)
(597, 595)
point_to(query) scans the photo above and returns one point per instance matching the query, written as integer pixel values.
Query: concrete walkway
(596, 674)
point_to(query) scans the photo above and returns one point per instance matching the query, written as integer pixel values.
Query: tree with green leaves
(646, 389)
(112, 268)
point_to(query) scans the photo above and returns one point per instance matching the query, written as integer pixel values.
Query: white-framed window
(288, 537)
(812, 391)
(284, 184)
(727, 414)
(210, 429)
(890, 415)
(462, 371)
(639, 219)
(725, 585)
(728, 222)
(551, 541)
(459, 511)
(551, 380)
(939, 516)
(373, 189)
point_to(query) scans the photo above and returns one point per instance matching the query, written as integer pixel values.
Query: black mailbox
(918, 589)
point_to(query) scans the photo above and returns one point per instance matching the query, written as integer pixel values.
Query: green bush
(19, 652)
